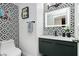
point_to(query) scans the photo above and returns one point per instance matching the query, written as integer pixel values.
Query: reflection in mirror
(60, 20)
(50, 20)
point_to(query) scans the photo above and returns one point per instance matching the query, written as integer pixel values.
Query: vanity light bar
(54, 5)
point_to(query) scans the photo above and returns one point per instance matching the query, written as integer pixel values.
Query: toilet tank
(7, 44)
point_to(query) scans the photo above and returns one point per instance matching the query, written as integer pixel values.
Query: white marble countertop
(57, 37)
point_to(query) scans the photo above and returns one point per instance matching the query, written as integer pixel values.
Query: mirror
(59, 17)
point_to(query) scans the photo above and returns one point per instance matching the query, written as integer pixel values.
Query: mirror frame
(59, 12)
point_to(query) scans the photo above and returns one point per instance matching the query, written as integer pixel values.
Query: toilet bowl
(7, 48)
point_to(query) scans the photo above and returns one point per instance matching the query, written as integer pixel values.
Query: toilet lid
(12, 52)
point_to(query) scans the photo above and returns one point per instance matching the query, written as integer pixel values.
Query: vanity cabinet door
(57, 48)
(64, 49)
(45, 47)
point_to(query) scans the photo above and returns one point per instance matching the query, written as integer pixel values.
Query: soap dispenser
(56, 33)
(63, 34)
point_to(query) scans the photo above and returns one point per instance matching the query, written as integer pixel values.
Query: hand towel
(30, 27)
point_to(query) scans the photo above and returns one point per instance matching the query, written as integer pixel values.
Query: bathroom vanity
(58, 34)
(57, 46)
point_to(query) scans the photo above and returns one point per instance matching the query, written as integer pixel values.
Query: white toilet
(7, 48)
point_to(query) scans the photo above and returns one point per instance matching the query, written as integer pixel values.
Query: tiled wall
(60, 30)
(9, 28)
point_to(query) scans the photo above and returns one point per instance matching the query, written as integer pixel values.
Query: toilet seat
(7, 48)
(11, 52)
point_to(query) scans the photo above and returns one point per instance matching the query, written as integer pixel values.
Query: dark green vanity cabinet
(52, 47)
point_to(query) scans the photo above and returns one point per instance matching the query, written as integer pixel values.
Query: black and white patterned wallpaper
(60, 30)
(9, 28)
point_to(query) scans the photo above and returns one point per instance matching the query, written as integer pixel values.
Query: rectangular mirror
(57, 18)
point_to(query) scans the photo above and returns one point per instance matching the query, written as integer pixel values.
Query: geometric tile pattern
(9, 28)
(60, 30)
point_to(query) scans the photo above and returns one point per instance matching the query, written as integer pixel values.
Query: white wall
(28, 42)
(40, 19)
(76, 20)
